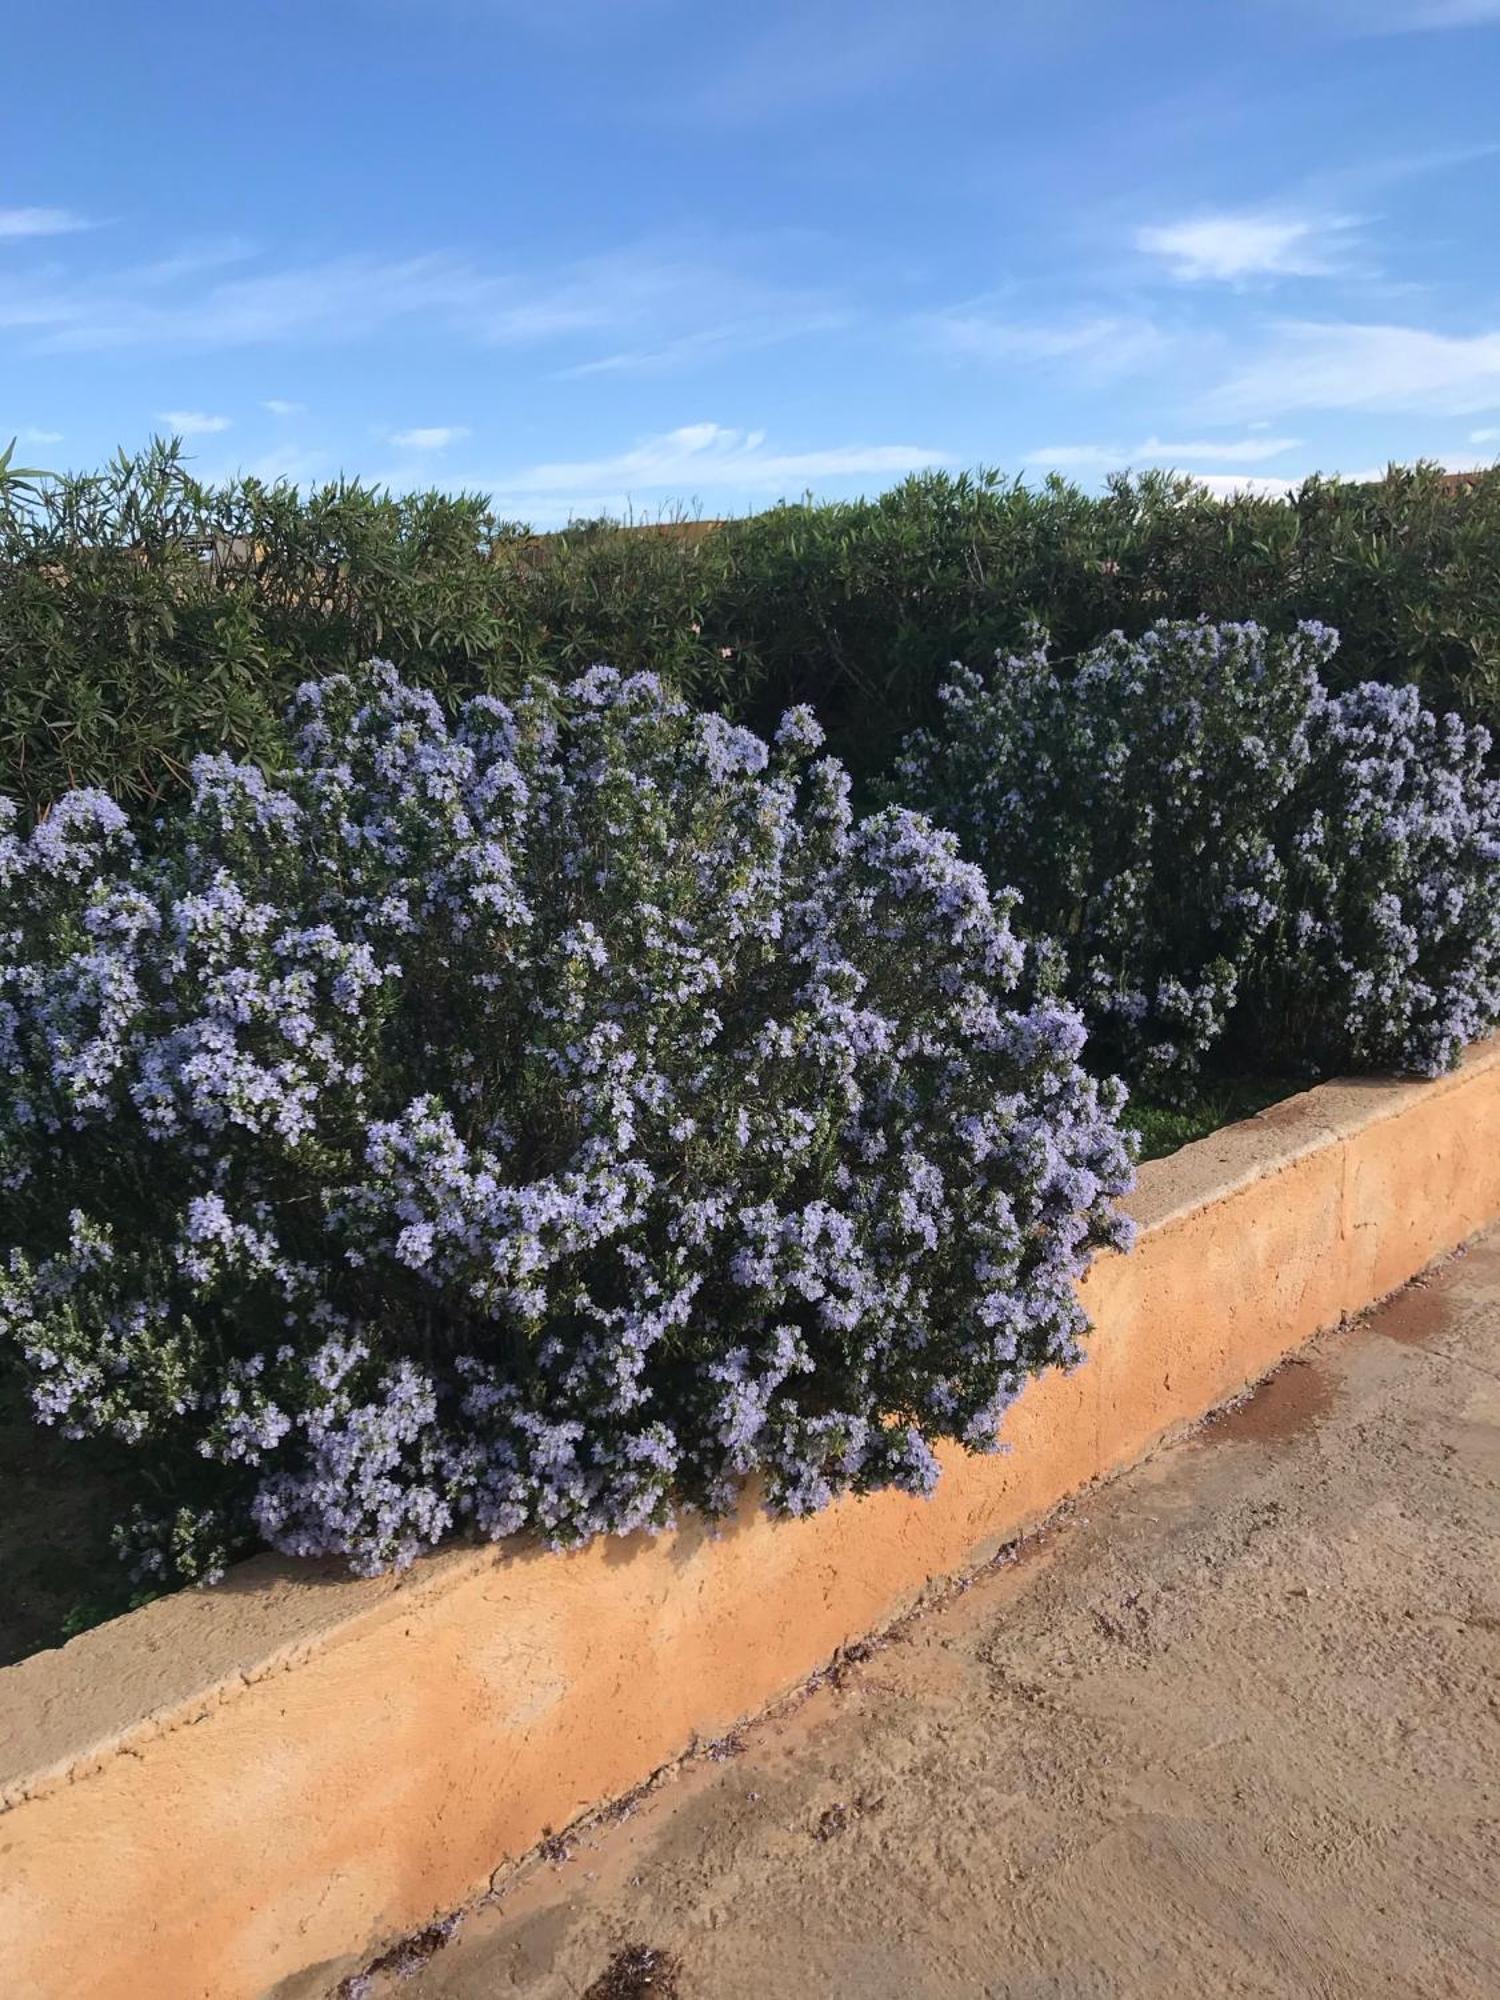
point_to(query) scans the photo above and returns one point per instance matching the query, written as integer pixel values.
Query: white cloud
(1341, 365)
(1237, 451)
(1156, 451)
(25, 222)
(704, 455)
(283, 462)
(337, 300)
(430, 437)
(1490, 434)
(1066, 457)
(31, 435)
(1231, 246)
(1101, 347)
(280, 407)
(1224, 485)
(194, 423)
(691, 461)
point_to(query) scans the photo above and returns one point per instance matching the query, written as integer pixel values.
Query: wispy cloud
(1489, 434)
(1308, 365)
(31, 435)
(1100, 346)
(430, 437)
(1232, 246)
(280, 407)
(1076, 457)
(28, 222)
(821, 52)
(294, 463)
(194, 423)
(339, 299)
(815, 55)
(1446, 13)
(1402, 17)
(791, 321)
(639, 305)
(696, 456)
(1157, 451)
(1225, 484)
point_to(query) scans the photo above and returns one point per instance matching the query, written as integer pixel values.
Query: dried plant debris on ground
(407, 1957)
(636, 1971)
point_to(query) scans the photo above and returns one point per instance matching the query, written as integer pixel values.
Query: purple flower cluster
(539, 1120)
(1386, 952)
(1130, 797)
(1233, 864)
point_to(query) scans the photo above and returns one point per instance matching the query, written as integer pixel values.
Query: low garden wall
(246, 1791)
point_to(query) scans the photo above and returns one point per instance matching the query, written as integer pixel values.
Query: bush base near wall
(244, 1792)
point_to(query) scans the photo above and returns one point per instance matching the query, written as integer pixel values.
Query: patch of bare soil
(59, 1572)
(1232, 1729)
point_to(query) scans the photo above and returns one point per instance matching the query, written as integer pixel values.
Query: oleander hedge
(145, 617)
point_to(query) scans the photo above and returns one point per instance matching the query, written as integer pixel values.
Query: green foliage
(1133, 797)
(1163, 1128)
(87, 1612)
(860, 607)
(534, 1121)
(1228, 863)
(16, 481)
(145, 616)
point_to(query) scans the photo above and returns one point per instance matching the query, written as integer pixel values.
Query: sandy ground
(1229, 1727)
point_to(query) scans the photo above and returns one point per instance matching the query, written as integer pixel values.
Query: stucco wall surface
(242, 1792)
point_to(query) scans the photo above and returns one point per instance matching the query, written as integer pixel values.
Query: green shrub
(145, 616)
(533, 1120)
(1133, 798)
(1386, 950)
(1234, 865)
(859, 607)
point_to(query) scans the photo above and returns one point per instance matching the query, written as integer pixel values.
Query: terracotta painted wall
(244, 1792)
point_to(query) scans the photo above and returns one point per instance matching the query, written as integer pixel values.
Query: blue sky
(586, 254)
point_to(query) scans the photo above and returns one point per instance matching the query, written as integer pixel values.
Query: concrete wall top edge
(66, 1711)
(1212, 1169)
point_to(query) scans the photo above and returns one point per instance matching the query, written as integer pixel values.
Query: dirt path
(1232, 1727)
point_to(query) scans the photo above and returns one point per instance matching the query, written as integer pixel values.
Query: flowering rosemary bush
(1233, 861)
(531, 1121)
(1386, 954)
(1132, 799)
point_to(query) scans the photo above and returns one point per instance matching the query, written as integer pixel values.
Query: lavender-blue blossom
(1224, 863)
(543, 1119)
(1386, 949)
